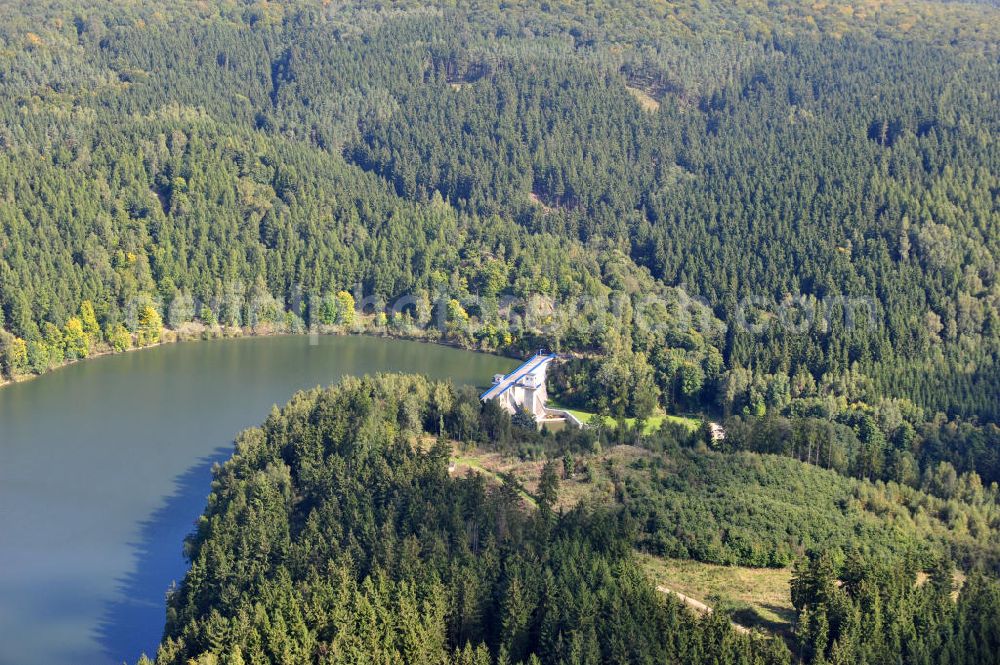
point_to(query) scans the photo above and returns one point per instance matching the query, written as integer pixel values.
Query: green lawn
(653, 423)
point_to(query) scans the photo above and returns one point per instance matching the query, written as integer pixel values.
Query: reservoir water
(105, 465)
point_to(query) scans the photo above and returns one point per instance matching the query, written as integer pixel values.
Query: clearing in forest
(647, 102)
(754, 597)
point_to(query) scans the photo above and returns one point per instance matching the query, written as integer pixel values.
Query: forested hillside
(781, 216)
(784, 166)
(781, 210)
(336, 533)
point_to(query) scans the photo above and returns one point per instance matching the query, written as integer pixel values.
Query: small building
(716, 433)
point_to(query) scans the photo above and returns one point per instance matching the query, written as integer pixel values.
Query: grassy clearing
(755, 597)
(592, 483)
(645, 101)
(589, 483)
(653, 423)
(494, 467)
(537, 200)
(958, 581)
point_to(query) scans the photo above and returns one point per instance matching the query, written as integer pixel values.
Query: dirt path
(698, 606)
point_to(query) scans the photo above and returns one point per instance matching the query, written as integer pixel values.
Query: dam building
(524, 388)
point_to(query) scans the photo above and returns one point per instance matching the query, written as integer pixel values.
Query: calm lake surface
(105, 465)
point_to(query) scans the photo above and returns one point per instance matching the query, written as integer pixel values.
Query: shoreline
(192, 332)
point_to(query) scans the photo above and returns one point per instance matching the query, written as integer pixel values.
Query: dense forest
(783, 217)
(337, 533)
(743, 210)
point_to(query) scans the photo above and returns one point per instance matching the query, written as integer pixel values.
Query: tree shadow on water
(132, 624)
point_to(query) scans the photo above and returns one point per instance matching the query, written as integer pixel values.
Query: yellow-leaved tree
(150, 324)
(345, 308)
(75, 339)
(89, 320)
(119, 338)
(13, 354)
